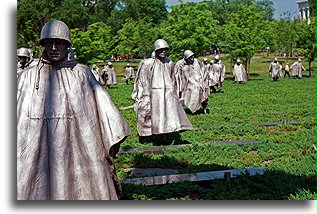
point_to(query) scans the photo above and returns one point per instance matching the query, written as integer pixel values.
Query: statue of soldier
(128, 74)
(24, 59)
(195, 90)
(297, 69)
(68, 128)
(96, 72)
(109, 75)
(275, 69)
(217, 74)
(239, 73)
(157, 106)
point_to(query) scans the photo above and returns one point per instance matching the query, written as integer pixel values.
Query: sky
(280, 6)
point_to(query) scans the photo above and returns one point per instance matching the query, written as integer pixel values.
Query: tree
(189, 27)
(127, 39)
(307, 40)
(246, 33)
(285, 36)
(94, 44)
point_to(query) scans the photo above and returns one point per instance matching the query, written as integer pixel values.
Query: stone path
(200, 176)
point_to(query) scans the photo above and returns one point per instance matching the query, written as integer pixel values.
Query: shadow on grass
(163, 139)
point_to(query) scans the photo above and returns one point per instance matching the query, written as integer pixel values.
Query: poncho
(68, 131)
(157, 105)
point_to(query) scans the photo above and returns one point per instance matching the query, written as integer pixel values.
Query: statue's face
(55, 49)
(23, 59)
(161, 53)
(190, 60)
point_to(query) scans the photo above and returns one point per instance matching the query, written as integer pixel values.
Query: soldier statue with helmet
(24, 59)
(68, 128)
(192, 76)
(157, 106)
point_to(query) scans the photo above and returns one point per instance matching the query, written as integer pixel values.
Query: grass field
(288, 152)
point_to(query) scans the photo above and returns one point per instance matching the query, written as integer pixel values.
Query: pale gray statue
(239, 73)
(128, 74)
(96, 72)
(297, 69)
(157, 106)
(217, 75)
(24, 59)
(195, 90)
(110, 76)
(68, 128)
(275, 69)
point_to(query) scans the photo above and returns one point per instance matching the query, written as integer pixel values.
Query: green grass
(286, 151)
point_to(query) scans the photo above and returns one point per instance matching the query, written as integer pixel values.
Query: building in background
(303, 6)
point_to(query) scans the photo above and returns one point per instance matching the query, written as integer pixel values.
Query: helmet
(238, 60)
(23, 52)
(275, 59)
(55, 29)
(160, 44)
(109, 63)
(212, 62)
(128, 64)
(205, 59)
(299, 60)
(188, 53)
(94, 66)
(217, 57)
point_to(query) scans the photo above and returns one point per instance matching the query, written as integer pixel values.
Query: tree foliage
(189, 27)
(246, 33)
(94, 44)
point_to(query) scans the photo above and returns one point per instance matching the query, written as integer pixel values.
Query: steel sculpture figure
(157, 106)
(217, 75)
(68, 128)
(275, 69)
(297, 69)
(109, 75)
(24, 60)
(239, 72)
(128, 74)
(95, 70)
(194, 82)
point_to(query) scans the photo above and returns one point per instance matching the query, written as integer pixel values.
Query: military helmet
(275, 59)
(205, 59)
(55, 29)
(188, 53)
(299, 60)
(128, 64)
(109, 63)
(23, 52)
(217, 57)
(238, 60)
(212, 62)
(160, 44)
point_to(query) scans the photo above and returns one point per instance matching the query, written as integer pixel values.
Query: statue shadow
(173, 138)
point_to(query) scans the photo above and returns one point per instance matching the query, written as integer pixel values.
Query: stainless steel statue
(297, 69)
(194, 88)
(68, 128)
(110, 76)
(128, 74)
(275, 69)
(24, 60)
(217, 75)
(157, 105)
(95, 70)
(239, 73)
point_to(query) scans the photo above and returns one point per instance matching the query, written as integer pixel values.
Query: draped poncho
(68, 131)
(157, 105)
